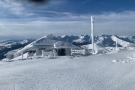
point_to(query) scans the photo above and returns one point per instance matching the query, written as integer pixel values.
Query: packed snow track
(96, 72)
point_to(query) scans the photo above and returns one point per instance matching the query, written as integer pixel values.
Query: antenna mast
(92, 34)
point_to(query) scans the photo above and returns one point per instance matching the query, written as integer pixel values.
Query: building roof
(61, 44)
(44, 41)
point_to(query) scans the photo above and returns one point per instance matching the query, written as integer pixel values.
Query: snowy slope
(19, 52)
(29, 46)
(64, 73)
(121, 42)
(101, 50)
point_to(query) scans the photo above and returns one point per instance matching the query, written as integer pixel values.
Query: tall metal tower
(92, 34)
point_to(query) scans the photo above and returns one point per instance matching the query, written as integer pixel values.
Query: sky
(36, 18)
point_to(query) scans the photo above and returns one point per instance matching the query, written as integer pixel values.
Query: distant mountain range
(102, 40)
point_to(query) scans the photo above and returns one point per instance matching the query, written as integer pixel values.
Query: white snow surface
(95, 72)
(121, 42)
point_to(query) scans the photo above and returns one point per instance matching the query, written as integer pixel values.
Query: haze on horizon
(36, 18)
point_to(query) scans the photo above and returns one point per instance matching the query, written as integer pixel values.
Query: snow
(102, 50)
(81, 39)
(19, 52)
(121, 42)
(95, 72)
(25, 56)
(24, 41)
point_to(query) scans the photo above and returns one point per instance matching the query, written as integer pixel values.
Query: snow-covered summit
(101, 42)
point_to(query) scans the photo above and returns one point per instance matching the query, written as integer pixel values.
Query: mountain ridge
(101, 40)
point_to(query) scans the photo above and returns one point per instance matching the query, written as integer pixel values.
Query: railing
(78, 52)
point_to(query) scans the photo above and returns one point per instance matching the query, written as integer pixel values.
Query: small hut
(64, 48)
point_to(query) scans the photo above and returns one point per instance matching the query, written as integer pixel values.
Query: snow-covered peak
(24, 41)
(63, 36)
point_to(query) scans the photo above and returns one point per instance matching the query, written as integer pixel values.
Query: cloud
(12, 6)
(25, 8)
(106, 23)
(23, 20)
(11, 9)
